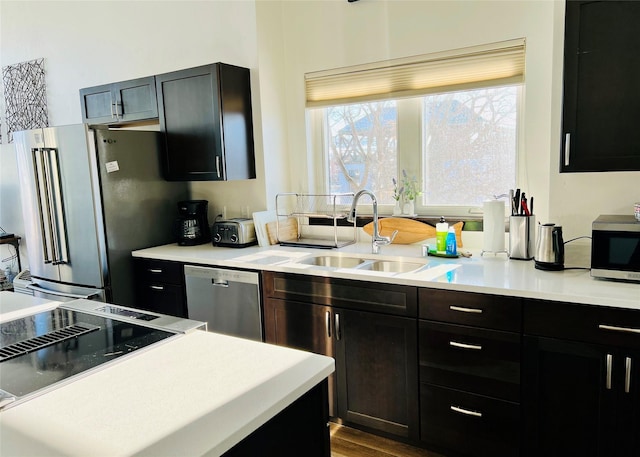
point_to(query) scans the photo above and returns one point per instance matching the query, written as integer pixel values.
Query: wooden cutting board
(288, 230)
(409, 230)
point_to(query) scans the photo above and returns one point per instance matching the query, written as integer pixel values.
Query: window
(457, 138)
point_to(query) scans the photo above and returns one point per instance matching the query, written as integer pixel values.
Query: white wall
(322, 35)
(90, 43)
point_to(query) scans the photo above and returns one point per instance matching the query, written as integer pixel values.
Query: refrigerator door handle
(60, 231)
(41, 186)
(59, 294)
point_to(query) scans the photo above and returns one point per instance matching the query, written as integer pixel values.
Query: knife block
(522, 239)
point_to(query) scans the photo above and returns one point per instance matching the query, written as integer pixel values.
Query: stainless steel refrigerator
(90, 196)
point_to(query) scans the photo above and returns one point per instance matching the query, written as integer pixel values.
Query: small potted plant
(411, 192)
(397, 195)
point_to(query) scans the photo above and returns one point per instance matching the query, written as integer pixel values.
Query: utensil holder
(522, 238)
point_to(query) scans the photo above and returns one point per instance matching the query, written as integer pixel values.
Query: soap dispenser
(442, 229)
(452, 244)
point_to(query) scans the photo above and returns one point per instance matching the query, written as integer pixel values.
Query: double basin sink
(388, 266)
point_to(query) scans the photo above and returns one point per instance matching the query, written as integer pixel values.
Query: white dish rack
(304, 207)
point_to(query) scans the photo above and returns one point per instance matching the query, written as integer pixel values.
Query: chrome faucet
(377, 240)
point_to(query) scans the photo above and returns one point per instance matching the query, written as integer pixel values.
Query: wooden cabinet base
(302, 429)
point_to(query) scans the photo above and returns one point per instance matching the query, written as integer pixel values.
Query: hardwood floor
(349, 442)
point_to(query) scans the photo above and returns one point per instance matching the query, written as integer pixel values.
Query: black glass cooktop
(40, 350)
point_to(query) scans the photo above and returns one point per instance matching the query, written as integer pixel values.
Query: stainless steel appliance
(238, 233)
(192, 225)
(615, 247)
(549, 248)
(227, 300)
(41, 351)
(90, 196)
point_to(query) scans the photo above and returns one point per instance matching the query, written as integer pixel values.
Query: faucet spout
(377, 240)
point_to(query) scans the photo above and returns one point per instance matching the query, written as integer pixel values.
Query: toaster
(235, 233)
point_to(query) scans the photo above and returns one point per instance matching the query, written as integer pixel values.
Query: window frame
(411, 137)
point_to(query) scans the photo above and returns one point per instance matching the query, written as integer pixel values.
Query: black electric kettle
(549, 254)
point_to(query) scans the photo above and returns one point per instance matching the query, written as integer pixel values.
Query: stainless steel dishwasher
(227, 300)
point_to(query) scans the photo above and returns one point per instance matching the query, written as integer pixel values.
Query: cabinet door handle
(608, 374)
(338, 330)
(327, 323)
(218, 166)
(613, 328)
(627, 375)
(154, 270)
(157, 287)
(476, 347)
(567, 148)
(465, 310)
(468, 412)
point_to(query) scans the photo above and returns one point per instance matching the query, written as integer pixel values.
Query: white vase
(408, 208)
(397, 210)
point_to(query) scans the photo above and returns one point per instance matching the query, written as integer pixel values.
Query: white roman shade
(479, 66)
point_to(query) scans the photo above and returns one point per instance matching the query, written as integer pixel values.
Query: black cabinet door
(376, 359)
(206, 115)
(627, 385)
(126, 101)
(301, 326)
(569, 398)
(601, 90)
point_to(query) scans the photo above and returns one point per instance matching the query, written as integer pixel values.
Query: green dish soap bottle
(441, 235)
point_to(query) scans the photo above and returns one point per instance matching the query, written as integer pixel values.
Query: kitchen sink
(334, 261)
(357, 263)
(392, 266)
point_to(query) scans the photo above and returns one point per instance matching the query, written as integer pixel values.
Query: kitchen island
(199, 393)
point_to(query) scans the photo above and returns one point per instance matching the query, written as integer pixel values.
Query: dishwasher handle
(219, 282)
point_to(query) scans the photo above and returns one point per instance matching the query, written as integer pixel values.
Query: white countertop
(198, 393)
(491, 274)
(15, 305)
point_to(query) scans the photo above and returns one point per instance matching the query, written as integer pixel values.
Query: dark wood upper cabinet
(206, 115)
(601, 90)
(122, 102)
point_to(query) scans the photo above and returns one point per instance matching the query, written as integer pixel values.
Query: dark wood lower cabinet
(468, 424)
(581, 380)
(375, 383)
(580, 399)
(301, 429)
(160, 286)
(376, 358)
(301, 326)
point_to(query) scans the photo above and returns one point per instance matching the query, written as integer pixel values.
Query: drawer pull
(618, 329)
(455, 344)
(154, 270)
(465, 310)
(608, 374)
(627, 375)
(157, 287)
(468, 412)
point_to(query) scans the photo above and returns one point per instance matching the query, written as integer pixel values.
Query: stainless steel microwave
(615, 247)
